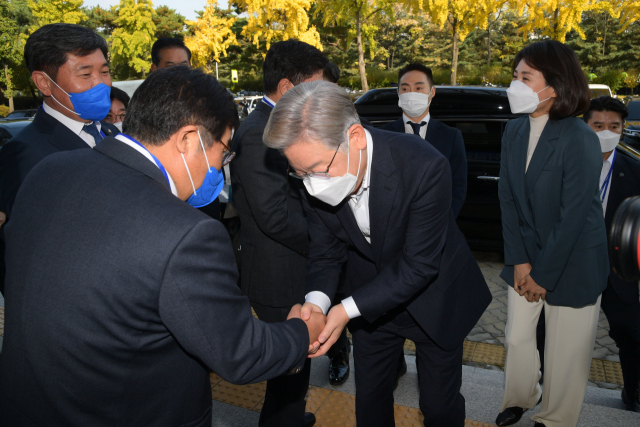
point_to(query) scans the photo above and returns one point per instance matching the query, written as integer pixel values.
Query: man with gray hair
(410, 277)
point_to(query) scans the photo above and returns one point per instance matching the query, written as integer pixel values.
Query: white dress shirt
(606, 167)
(73, 125)
(144, 152)
(359, 204)
(409, 129)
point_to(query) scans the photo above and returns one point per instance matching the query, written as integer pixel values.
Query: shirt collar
(406, 119)
(73, 125)
(120, 137)
(269, 99)
(366, 180)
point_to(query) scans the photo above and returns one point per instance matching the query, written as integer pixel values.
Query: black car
(481, 114)
(10, 128)
(632, 129)
(19, 114)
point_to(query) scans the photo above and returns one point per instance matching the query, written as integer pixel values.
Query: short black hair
(561, 69)
(293, 60)
(606, 103)
(331, 72)
(416, 67)
(164, 43)
(120, 95)
(174, 97)
(48, 48)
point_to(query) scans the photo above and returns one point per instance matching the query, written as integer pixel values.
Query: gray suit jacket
(275, 243)
(120, 298)
(552, 215)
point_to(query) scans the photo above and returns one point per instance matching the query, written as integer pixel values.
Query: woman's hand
(528, 288)
(520, 271)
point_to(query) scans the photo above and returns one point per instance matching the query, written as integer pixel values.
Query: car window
(382, 97)
(599, 92)
(482, 138)
(634, 111)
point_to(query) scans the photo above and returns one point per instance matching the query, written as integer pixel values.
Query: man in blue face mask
(68, 65)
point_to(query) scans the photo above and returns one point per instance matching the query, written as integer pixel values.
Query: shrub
(4, 110)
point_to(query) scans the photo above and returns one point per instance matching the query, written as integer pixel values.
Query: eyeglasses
(319, 175)
(227, 155)
(114, 117)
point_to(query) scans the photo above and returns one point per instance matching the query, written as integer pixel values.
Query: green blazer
(552, 215)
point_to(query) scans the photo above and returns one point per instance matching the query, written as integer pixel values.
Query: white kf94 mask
(608, 140)
(522, 98)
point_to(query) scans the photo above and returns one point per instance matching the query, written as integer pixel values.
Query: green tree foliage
(101, 20)
(131, 42)
(53, 11)
(168, 22)
(10, 49)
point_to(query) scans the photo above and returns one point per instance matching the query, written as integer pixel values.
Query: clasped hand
(323, 330)
(524, 284)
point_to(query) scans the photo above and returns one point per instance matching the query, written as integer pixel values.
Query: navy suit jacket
(417, 259)
(449, 142)
(625, 182)
(120, 299)
(275, 242)
(552, 215)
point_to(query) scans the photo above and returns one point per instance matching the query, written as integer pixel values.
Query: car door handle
(489, 178)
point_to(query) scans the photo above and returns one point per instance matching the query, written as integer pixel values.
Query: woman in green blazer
(554, 235)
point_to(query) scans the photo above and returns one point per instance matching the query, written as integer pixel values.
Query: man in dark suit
(416, 91)
(62, 123)
(381, 203)
(120, 296)
(274, 238)
(619, 179)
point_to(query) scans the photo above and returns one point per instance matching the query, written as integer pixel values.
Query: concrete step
(483, 391)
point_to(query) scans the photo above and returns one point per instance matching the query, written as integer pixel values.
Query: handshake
(323, 330)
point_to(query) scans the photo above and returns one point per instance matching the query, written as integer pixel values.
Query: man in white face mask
(380, 203)
(619, 179)
(416, 92)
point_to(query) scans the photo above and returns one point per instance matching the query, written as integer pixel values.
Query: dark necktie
(92, 130)
(416, 126)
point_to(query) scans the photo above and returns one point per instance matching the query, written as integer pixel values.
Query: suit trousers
(624, 324)
(375, 352)
(284, 400)
(570, 334)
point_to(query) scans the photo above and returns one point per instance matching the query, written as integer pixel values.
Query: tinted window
(634, 110)
(4, 136)
(482, 138)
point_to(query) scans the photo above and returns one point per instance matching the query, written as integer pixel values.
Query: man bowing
(410, 275)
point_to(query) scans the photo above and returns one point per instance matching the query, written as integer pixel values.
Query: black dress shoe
(401, 369)
(539, 425)
(309, 419)
(631, 403)
(339, 367)
(510, 416)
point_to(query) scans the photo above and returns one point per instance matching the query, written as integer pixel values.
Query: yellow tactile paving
(612, 372)
(244, 396)
(316, 396)
(468, 348)
(214, 379)
(490, 354)
(338, 410)
(596, 372)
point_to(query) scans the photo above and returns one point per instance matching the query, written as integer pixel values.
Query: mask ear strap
(54, 98)
(203, 150)
(189, 173)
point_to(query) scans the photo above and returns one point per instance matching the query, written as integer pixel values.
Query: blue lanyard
(102, 134)
(605, 184)
(264, 99)
(155, 159)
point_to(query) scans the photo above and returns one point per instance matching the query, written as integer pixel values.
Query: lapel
(517, 164)
(348, 221)
(126, 155)
(382, 191)
(543, 151)
(398, 125)
(617, 186)
(59, 135)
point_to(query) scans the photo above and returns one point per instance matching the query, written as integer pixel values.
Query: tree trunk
(6, 75)
(454, 60)
(393, 52)
(363, 73)
(489, 46)
(604, 38)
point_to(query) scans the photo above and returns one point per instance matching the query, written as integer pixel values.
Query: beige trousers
(570, 335)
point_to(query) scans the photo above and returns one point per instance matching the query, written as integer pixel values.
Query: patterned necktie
(416, 127)
(92, 130)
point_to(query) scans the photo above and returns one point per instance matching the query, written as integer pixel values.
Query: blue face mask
(211, 186)
(92, 104)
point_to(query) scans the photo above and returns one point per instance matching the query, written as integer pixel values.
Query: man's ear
(153, 68)
(433, 88)
(358, 137)
(42, 82)
(186, 139)
(283, 86)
